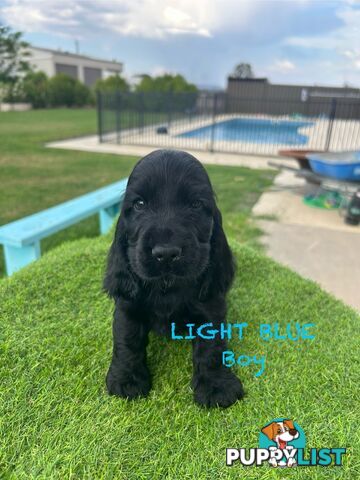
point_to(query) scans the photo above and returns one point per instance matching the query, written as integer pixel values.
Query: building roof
(75, 55)
(231, 78)
(321, 89)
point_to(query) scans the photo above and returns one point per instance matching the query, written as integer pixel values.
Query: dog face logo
(282, 437)
(281, 432)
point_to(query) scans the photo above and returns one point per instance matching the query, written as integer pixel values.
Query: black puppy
(169, 262)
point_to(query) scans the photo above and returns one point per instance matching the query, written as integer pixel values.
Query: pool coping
(91, 144)
(316, 133)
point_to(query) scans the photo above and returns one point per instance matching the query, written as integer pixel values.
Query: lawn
(34, 177)
(57, 421)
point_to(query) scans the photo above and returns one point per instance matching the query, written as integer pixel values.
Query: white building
(86, 69)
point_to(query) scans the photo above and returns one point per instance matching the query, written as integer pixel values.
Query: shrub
(12, 92)
(36, 89)
(82, 95)
(67, 91)
(114, 82)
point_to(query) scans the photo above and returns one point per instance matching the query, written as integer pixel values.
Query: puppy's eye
(139, 204)
(196, 204)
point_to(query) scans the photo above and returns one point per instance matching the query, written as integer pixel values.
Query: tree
(166, 93)
(13, 54)
(166, 83)
(114, 82)
(243, 70)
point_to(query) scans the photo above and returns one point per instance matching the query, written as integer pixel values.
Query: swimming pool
(254, 131)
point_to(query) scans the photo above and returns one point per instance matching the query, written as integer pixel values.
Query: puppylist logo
(282, 444)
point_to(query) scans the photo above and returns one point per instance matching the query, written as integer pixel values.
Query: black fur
(169, 206)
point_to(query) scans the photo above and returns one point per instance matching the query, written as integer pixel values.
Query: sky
(288, 41)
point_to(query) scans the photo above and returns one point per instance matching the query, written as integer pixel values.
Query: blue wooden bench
(21, 239)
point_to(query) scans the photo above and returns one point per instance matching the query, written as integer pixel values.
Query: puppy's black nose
(293, 432)
(166, 254)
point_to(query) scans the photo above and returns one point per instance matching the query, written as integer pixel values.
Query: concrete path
(329, 257)
(315, 243)
(91, 144)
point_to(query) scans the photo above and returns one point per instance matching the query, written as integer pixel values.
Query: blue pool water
(254, 131)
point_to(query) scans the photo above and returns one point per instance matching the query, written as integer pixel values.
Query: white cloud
(350, 53)
(342, 43)
(283, 66)
(41, 15)
(159, 70)
(179, 21)
(152, 19)
(143, 18)
(241, 28)
(341, 39)
(146, 18)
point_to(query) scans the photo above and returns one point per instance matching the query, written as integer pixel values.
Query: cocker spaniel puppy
(169, 262)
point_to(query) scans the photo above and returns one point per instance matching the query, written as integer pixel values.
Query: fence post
(213, 124)
(170, 106)
(142, 107)
(99, 115)
(117, 115)
(331, 123)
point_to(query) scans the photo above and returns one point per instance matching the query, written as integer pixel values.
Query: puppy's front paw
(130, 386)
(217, 391)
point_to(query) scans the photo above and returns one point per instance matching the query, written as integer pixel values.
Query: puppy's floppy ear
(269, 431)
(290, 424)
(219, 275)
(119, 280)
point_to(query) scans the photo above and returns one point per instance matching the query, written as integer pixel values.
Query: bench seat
(21, 239)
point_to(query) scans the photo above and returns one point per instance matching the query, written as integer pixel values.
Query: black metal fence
(219, 122)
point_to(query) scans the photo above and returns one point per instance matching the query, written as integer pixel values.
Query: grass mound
(56, 420)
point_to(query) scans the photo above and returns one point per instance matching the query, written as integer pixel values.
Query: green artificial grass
(34, 177)
(57, 422)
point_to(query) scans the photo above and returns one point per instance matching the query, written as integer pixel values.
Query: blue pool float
(339, 165)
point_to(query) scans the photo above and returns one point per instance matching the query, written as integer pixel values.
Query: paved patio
(315, 243)
(91, 144)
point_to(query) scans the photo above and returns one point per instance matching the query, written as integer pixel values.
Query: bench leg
(107, 217)
(18, 257)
